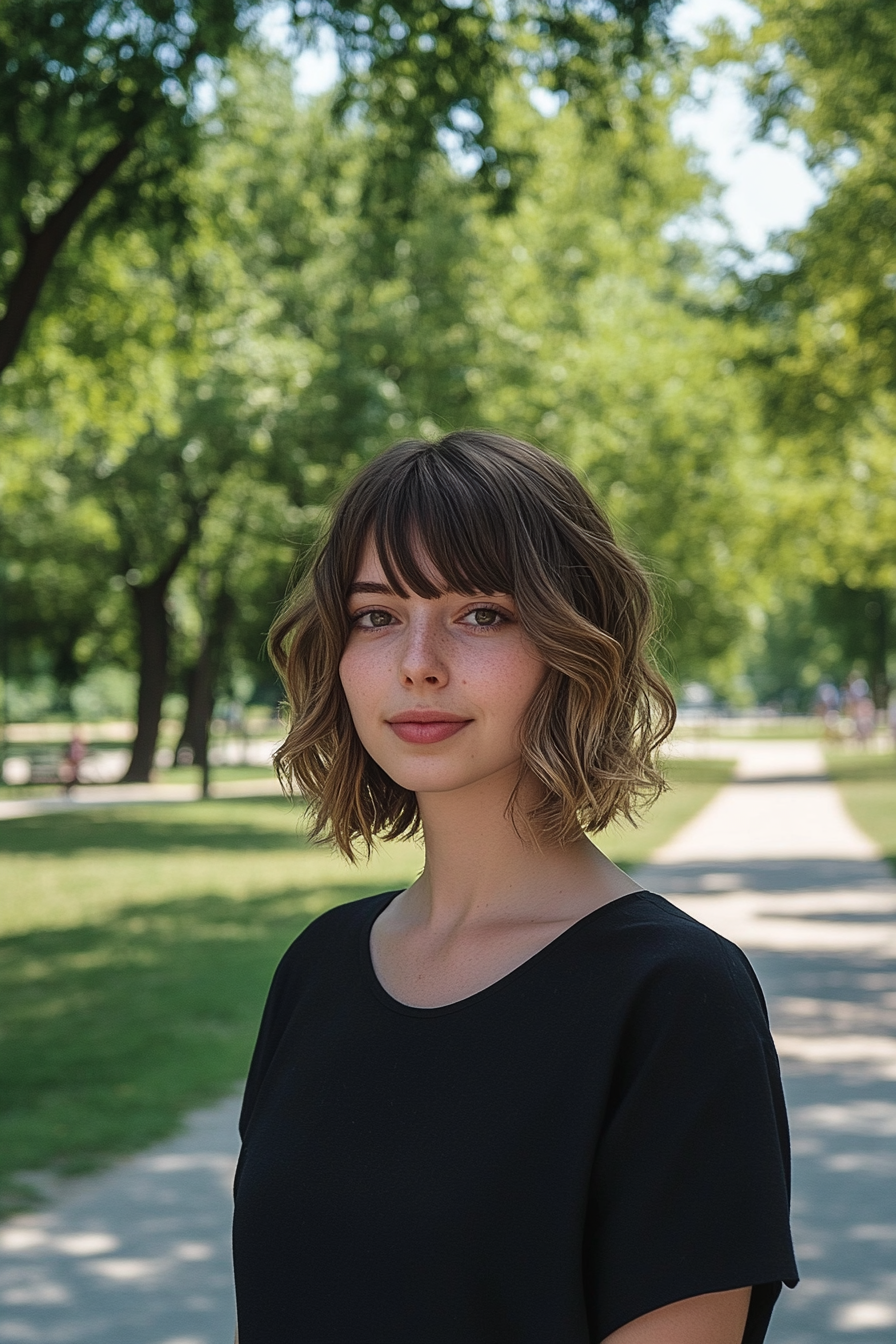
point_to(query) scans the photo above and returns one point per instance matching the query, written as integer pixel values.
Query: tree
(92, 110)
(96, 103)
(828, 325)
(142, 399)
(252, 346)
(225, 598)
(605, 341)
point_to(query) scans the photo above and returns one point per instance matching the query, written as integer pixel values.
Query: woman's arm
(713, 1318)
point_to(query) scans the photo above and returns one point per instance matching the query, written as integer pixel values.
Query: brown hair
(493, 515)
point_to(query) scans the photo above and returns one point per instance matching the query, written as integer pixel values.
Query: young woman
(522, 1101)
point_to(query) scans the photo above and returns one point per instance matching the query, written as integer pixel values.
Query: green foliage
(93, 127)
(820, 633)
(98, 102)
(202, 398)
(599, 339)
(186, 408)
(422, 72)
(828, 326)
(82, 77)
(189, 401)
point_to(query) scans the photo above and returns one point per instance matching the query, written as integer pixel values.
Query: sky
(766, 187)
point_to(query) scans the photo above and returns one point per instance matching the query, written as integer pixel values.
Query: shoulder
(330, 933)
(671, 968)
(319, 956)
(662, 938)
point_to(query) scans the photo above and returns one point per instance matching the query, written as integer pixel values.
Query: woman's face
(436, 687)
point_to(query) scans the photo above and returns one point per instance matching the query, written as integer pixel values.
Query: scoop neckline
(412, 1010)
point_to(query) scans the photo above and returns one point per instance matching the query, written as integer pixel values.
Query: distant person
(865, 715)
(70, 765)
(827, 706)
(827, 697)
(522, 1101)
(860, 708)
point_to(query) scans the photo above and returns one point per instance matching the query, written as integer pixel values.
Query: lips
(420, 728)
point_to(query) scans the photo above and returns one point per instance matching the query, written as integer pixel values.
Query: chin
(428, 781)
(437, 777)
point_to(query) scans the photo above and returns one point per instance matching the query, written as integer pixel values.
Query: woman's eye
(373, 620)
(486, 617)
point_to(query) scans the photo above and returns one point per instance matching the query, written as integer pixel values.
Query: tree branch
(41, 249)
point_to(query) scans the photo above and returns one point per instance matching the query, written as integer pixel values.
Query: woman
(522, 1101)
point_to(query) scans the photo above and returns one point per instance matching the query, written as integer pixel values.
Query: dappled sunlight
(157, 1226)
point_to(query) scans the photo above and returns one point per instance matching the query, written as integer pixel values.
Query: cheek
(362, 671)
(351, 675)
(509, 681)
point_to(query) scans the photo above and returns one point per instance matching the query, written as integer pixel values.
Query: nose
(423, 656)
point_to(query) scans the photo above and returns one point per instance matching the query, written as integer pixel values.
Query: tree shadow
(244, 824)
(766, 875)
(110, 1032)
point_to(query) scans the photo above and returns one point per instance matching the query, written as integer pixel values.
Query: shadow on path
(767, 875)
(843, 1122)
(138, 1255)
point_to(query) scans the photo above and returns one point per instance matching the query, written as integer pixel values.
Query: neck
(479, 867)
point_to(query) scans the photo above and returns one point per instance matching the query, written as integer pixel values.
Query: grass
(136, 947)
(867, 784)
(846, 765)
(718, 726)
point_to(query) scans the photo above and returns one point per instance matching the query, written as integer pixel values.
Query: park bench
(46, 767)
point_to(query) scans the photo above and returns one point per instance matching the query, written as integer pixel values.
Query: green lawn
(181, 774)
(735, 730)
(136, 946)
(867, 783)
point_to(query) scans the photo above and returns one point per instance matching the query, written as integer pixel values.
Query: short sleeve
(277, 1010)
(691, 1182)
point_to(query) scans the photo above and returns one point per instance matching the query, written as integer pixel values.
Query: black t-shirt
(598, 1134)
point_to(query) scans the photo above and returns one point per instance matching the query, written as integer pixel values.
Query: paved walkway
(113, 795)
(139, 1254)
(775, 863)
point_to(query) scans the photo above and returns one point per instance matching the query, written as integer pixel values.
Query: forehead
(371, 565)
(414, 571)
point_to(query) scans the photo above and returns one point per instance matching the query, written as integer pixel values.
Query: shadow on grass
(684, 770)
(261, 824)
(109, 1032)
(861, 767)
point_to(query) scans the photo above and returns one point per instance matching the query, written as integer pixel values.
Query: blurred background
(245, 246)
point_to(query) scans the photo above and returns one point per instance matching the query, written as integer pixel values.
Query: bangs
(435, 509)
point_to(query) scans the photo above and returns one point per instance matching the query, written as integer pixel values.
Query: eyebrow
(381, 588)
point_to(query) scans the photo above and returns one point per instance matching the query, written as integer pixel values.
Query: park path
(112, 795)
(775, 863)
(140, 1253)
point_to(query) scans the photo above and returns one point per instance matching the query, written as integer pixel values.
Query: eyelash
(480, 606)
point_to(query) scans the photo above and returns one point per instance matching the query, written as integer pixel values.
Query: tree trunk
(878, 611)
(202, 682)
(41, 249)
(200, 703)
(152, 622)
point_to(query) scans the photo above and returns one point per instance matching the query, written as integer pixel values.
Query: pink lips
(425, 726)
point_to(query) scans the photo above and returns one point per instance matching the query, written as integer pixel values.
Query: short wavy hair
(492, 515)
